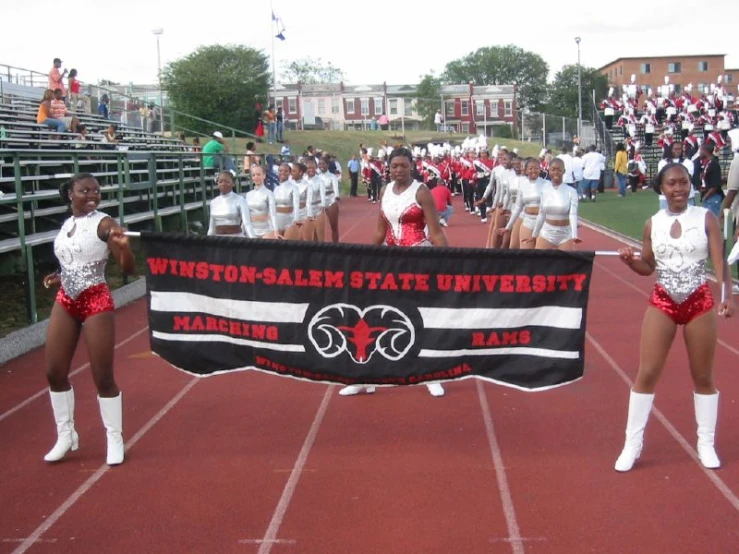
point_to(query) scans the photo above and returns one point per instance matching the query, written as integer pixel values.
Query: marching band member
(331, 190)
(467, 173)
(261, 203)
(677, 243)
(229, 214)
(526, 208)
(287, 204)
(556, 224)
(503, 174)
(483, 176)
(407, 209)
(83, 247)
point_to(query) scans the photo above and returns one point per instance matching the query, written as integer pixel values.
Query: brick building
(701, 70)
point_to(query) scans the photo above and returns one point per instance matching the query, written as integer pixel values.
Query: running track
(251, 463)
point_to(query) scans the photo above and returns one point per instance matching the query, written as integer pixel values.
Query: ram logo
(345, 328)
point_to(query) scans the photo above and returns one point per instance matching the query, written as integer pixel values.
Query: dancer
(523, 219)
(82, 247)
(229, 214)
(677, 243)
(511, 240)
(305, 192)
(331, 187)
(319, 199)
(261, 203)
(556, 224)
(406, 210)
(287, 204)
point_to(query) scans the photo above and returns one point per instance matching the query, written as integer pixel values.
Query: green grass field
(624, 215)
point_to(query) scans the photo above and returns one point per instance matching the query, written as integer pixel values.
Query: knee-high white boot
(67, 438)
(640, 406)
(706, 413)
(111, 410)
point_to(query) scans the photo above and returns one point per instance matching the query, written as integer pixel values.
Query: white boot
(435, 389)
(640, 405)
(706, 413)
(111, 410)
(67, 438)
(351, 390)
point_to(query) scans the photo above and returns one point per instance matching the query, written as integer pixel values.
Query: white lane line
(514, 533)
(84, 366)
(45, 541)
(262, 541)
(102, 470)
(274, 526)
(712, 475)
(646, 295)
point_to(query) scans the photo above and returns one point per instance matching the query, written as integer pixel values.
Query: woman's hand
(626, 255)
(52, 280)
(576, 241)
(727, 308)
(529, 240)
(502, 232)
(118, 236)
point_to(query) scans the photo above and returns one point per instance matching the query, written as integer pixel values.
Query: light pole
(579, 92)
(158, 33)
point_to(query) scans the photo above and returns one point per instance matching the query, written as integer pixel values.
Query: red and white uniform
(406, 225)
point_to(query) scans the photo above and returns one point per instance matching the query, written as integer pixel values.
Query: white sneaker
(735, 289)
(351, 390)
(443, 223)
(484, 220)
(435, 389)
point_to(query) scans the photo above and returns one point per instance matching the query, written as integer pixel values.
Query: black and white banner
(355, 314)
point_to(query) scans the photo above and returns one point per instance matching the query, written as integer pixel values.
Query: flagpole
(274, 72)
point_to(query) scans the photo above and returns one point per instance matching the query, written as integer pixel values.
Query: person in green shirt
(215, 154)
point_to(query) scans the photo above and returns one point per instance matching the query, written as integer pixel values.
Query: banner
(356, 314)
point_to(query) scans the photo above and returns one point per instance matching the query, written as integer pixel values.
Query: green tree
(503, 65)
(428, 98)
(218, 83)
(563, 95)
(311, 72)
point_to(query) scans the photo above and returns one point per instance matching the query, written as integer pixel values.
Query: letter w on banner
(355, 314)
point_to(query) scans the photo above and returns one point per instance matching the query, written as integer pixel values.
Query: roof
(671, 57)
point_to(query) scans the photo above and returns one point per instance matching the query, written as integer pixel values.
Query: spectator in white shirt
(593, 163)
(577, 167)
(569, 176)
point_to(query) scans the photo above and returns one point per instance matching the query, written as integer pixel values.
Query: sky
(391, 42)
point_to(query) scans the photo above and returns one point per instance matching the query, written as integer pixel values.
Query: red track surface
(221, 464)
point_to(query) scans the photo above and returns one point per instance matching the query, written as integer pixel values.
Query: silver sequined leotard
(230, 209)
(83, 255)
(287, 203)
(262, 212)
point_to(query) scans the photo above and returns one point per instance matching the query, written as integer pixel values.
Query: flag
(371, 315)
(279, 25)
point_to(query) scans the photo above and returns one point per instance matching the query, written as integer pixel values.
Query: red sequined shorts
(95, 300)
(698, 303)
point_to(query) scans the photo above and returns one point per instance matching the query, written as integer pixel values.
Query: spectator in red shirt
(443, 200)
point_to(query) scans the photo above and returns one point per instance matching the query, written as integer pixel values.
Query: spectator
(353, 166)
(621, 168)
(443, 200)
(257, 118)
(285, 150)
(577, 171)
(592, 166)
(569, 175)
(712, 195)
(215, 154)
(109, 137)
(250, 158)
(279, 116)
(384, 122)
(438, 120)
(59, 112)
(196, 144)
(269, 117)
(43, 117)
(74, 91)
(56, 77)
(82, 137)
(182, 138)
(103, 109)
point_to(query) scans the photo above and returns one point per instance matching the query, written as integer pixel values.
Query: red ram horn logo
(345, 328)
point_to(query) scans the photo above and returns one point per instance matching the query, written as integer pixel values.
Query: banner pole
(132, 234)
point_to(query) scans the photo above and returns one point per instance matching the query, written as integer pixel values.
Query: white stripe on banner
(500, 318)
(261, 312)
(516, 351)
(188, 337)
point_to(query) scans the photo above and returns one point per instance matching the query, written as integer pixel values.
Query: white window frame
(479, 107)
(450, 108)
(677, 68)
(701, 65)
(292, 105)
(364, 106)
(379, 105)
(508, 107)
(350, 107)
(335, 106)
(407, 107)
(393, 106)
(321, 106)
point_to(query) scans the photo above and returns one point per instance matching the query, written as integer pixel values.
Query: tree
(311, 72)
(563, 95)
(503, 65)
(218, 83)
(428, 97)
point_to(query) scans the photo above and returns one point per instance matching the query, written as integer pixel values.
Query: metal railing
(554, 131)
(137, 188)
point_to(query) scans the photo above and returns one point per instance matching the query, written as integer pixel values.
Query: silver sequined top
(510, 195)
(502, 182)
(305, 191)
(230, 209)
(287, 196)
(558, 203)
(529, 196)
(81, 253)
(319, 193)
(261, 203)
(681, 262)
(331, 184)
